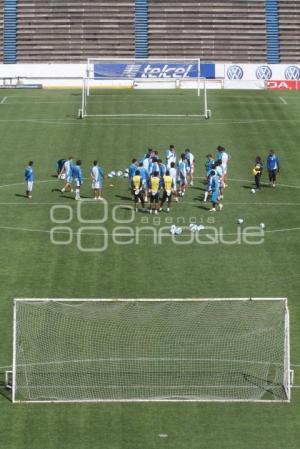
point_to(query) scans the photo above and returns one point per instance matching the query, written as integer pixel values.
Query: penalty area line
(3, 100)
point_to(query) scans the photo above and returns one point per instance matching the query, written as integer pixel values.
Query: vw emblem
(292, 72)
(235, 72)
(263, 72)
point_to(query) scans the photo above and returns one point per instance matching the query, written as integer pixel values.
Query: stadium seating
(211, 30)
(60, 31)
(289, 25)
(1, 30)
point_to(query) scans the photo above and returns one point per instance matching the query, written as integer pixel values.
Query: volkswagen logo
(235, 72)
(292, 72)
(263, 72)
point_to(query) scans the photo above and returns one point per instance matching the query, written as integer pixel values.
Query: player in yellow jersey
(154, 192)
(137, 190)
(167, 193)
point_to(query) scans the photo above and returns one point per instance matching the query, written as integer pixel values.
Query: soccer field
(39, 261)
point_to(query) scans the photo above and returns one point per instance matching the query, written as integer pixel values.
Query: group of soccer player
(72, 174)
(155, 180)
(216, 177)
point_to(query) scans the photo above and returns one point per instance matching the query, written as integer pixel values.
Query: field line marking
(3, 100)
(195, 177)
(139, 234)
(283, 100)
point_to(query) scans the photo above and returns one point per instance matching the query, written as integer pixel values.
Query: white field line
(139, 234)
(66, 361)
(112, 179)
(3, 100)
(283, 100)
(77, 122)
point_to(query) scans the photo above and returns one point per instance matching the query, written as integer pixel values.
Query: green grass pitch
(43, 126)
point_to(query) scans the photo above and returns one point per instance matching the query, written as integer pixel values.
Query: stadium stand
(272, 27)
(9, 30)
(1, 30)
(289, 26)
(59, 31)
(211, 30)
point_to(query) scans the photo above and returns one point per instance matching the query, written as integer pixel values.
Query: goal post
(133, 350)
(143, 74)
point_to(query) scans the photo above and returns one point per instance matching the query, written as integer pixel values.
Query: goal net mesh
(149, 350)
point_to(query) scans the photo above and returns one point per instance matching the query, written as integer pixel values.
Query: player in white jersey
(170, 156)
(224, 157)
(173, 174)
(97, 176)
(66, 173)
(191, 165)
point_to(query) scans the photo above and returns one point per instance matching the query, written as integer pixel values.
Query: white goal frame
(288, 373)
(199, 84)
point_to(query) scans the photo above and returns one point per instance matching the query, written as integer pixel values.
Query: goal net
(150, 350)
(150, 81)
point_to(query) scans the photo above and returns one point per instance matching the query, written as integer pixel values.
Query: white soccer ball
(178, 231)
(240, 221)
(126, 175)
(200, 227)
(110, 175)
(119, 173)
(113, 173)
(126, 170)
(62, 176)
(253, 190)
(191, 226)
(262, 226)
(173, 230)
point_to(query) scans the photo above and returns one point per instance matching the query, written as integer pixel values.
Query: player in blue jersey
(273, 167)
(145, 180)
(78, 178)
(162, 171)
(97, 176)
(215, 191)
(209, 164)
(154, 166)
(29, 178)
(132, 169)
(182, 174)
(66, 173)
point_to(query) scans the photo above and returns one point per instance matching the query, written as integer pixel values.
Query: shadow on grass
(20, 195)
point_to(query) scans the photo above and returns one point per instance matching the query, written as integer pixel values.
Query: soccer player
(97, 175)
(137, 188)
(67, 170)
(224, 157)
(209, 164)
(154, 192)
(215, 191)
(167, 191)
(182, 173)
(272, 167)
(154, 166)
(220, 173)
(29, 177)
(132, 169)
(191, 165)
(170, 156)
(78, 179)
(173, 174)
(257, 171)
(144, 176)
(208, 187)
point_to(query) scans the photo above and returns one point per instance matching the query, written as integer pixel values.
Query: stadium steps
(9, 31)
(59, 31)
(272, 29)
(141, 28)
(233, 31)
(289, 27)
